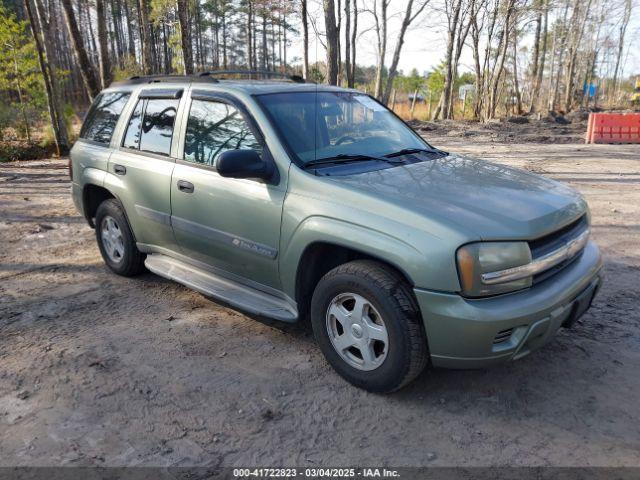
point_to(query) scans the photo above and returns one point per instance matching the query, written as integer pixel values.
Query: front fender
(407, 258)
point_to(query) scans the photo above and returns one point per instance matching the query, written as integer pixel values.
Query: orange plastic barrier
(613, 128)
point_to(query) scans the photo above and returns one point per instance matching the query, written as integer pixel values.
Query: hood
(493, 201)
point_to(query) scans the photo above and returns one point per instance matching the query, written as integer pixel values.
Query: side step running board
(236, 294)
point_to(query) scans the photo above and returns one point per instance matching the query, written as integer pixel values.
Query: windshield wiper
(408, 151)
(346, 158)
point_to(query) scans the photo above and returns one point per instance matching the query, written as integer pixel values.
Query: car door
(230, 224)
(140, 168)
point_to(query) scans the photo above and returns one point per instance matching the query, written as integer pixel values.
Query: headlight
(477, 259)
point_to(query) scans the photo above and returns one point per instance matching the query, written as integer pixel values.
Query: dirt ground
(96, 369)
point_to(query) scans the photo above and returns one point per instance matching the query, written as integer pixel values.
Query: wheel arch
(320, 257)
(92, 196)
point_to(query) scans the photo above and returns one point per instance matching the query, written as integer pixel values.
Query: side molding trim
(154, 215)
(223, 237)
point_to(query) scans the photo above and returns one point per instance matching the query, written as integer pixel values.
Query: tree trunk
(623, 30)
(332, 41)
(381, 32)
(145, 40)
(516, 84)
(305, 41)
(354, 36)
(249, 40)
(86, 69)
(445, 99)
(131, 46)
(50, 78)
(264, 60)
(347, 41)
(555, 86)
(105, 61)
(494, 97)
(224, 42)
(409, 17)
(573, 50)
(541, 63)
(185, 36)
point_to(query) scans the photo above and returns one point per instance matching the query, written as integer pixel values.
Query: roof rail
(203, 77)
(263, 73)
(142, 79)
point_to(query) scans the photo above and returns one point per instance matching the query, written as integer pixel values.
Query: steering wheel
(345, 138)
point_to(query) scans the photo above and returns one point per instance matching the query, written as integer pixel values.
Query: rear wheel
(115, 240)
(368, 326)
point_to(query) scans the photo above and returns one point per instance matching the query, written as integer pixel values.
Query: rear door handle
(120, 169)
(184, 186)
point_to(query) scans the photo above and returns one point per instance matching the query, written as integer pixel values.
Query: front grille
(548, 243)
(503, 336)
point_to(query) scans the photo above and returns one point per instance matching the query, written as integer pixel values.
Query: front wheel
(368, 326)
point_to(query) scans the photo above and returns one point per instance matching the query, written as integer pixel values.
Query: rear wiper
(408, 151)
(345, 158)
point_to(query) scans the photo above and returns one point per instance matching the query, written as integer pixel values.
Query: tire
(389, 309)
(112, 228)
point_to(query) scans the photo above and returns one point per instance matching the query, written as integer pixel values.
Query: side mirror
(243, 164)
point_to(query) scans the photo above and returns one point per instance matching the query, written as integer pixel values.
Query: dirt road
(101, 370)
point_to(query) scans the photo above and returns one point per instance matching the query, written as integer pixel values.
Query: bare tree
(410, 14)
(578, 22)
(347, 42)
(379, 12)
(540, 54)
(354, 36)
(457, 31)
(305, 40)
(626, 16)
(500, 58)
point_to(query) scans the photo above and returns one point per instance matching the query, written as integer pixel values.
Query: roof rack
(251, 73)
(203, 77)
(141, 79)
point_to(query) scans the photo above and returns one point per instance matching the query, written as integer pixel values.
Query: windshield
(319, 125)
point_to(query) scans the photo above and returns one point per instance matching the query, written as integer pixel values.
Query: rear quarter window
(103, 116)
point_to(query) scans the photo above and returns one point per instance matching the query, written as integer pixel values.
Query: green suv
(295, 201)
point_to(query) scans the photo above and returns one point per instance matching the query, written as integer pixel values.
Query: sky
(425, 42)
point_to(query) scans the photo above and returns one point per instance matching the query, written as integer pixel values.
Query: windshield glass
(319, 125)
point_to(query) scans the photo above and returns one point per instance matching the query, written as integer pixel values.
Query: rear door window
(103, 116)
(150, 127)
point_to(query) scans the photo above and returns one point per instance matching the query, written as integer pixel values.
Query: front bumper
(475, 333)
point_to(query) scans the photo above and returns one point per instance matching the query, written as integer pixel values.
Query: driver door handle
(120, 169)
(184, 186)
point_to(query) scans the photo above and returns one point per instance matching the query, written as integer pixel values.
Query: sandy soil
(101, 370)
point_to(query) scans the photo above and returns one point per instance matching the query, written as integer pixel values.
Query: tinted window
(132, 135)
(326, 124)
(214, 128)
(103, 116)
(152, 134)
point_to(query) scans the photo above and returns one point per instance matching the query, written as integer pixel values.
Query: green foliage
(316, 73)
(130, 67)
(435, 82)
(409, 83)
(22, 93)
